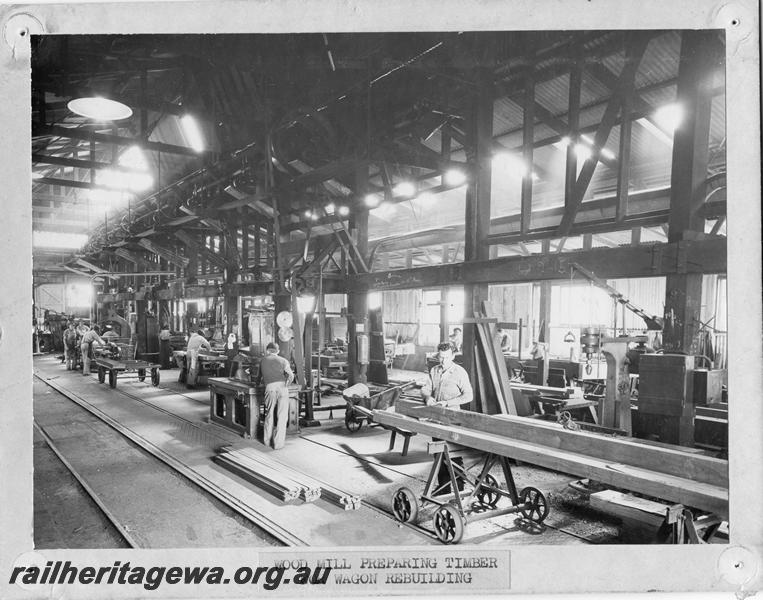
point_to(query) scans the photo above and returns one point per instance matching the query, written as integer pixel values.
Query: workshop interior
(380, 289)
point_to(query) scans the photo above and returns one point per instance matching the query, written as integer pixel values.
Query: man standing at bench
(276, 374)
(448, 383)
(449, 387)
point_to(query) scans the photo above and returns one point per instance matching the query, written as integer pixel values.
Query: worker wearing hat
(276, 374)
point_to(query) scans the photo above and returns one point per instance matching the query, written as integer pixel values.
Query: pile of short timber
(281, 480)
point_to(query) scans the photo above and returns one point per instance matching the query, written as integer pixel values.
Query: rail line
(277, 531)
(120, 528)
(285, 536)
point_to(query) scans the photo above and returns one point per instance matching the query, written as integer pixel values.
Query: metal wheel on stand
(449, 524)
(405, 505)
(536, 508)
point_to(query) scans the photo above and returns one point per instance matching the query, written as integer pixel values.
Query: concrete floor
(156, 507)
(65, 516)
(176, 420)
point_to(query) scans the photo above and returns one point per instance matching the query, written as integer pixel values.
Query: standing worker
(448, 383)
(70, 346)
(456, 339)
(449, 387)
(165, 351)
(86, 346)
(276, 374)
(195, 344)
(81, 328)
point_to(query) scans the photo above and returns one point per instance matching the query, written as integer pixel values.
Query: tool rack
(479, 500)
(136, 368)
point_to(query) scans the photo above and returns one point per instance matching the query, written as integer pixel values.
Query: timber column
(357, 301)
(683, 291)
(477, 218)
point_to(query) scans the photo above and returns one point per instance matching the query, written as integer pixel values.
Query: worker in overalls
(93, 336)
(165, 350)
(70, 346)
(195, 344)
(276, 374)
(448, 386)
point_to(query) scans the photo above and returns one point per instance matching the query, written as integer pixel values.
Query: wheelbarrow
(362, 401)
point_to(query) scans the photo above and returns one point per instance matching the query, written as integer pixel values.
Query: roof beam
(696, 256)
(80, 163)
(625, 87)
(165, 253)
(79, 133)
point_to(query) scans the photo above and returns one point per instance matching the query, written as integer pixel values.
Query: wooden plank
(670, 460)
(704, 496)
(503, 372)
(488, 402)
(628, 506)
(491, 366)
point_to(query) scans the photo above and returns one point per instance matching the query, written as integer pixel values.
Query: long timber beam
(695, 256)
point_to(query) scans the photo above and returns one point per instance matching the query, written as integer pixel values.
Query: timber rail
(667, 472)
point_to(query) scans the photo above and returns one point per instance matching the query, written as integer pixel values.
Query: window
(79, 294)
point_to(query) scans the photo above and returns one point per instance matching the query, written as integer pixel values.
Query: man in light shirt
(449, 387)
(91, 337)
(196, 342)
(448, 383)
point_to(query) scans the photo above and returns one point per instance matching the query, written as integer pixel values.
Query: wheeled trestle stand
(462, 498)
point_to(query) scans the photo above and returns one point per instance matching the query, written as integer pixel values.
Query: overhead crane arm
(653, 322)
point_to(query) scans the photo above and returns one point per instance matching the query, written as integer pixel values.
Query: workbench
(115, 367)
(239, 405)
(208, 365)
(235, 405)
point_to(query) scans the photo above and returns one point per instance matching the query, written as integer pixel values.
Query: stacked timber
(309, 488)
(494, 394)
(265, 477)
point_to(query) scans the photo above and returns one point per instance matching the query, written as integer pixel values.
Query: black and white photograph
(343, 304)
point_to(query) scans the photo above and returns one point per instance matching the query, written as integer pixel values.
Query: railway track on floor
(383, 510)
(102, 506)
(285, 536)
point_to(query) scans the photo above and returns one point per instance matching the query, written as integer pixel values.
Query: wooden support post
(683, 291)
(573, 121)
(357, 322)
(444, 324)
(231, 267)
(477, 218)
(357, 302)
(245, 247)
(528, 133)
(623, 166)
(544, 320)
(625, 85)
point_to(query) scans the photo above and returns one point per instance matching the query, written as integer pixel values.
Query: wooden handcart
(115, 368)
